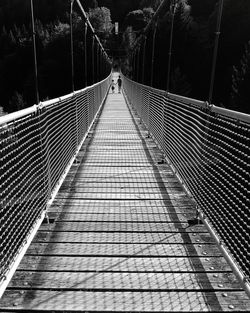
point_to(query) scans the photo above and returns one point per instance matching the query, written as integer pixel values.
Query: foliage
(138, 19)
(179, 83)
(193, 46)
(100, 19)
(129, 37)
(18, 11)
(16, 101)
(241, 82)
(17, 87)
(202, 8)
(192, 51)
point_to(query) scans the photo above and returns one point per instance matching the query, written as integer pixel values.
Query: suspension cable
(153, 54)
(85, 55)
(141, 39)
(173, 8)
(100, 46)
(34, 52)
(93, 59)
(72, 47)
(143, 58)
(138, 64)
(216, 45)
(159, 10)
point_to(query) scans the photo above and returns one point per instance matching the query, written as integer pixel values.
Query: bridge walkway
(119, 239)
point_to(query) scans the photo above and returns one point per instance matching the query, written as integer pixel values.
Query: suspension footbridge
(122, 234)
(124, 202)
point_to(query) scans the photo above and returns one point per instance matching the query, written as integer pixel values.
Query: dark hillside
(193, 43)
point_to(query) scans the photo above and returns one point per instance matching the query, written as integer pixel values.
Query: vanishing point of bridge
(122, 233)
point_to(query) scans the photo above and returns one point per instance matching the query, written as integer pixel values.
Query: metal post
(130, 60)
(143, 59)
(138, 65)
(216, 44)
(97, 64)
(133, 64)
(104, 64)
(100, 62)
(72, 46)
(34, 51)
(153, 55)
(93, 59)
(85, 55)
(172, 9)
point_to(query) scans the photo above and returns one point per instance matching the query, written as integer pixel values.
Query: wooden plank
(143, 169)
(202, 264)
(135, 238)
(119, 196)
(129, 216)
(124, 249)
(129, 186)
(117, 179)
(170, 301)
(124, 281)
(140, 183)
(114, 217)
(75, 207)
(171, 190)
(140, 205)
(107, 226)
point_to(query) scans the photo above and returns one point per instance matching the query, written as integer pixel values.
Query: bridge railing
(37, 146)
(209, 149)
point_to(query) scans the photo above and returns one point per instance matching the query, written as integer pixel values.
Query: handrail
(16, 115)
(204, 104)
(32, 109)
(230, 113)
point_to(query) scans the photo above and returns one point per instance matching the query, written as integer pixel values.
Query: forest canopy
(193, 46)
(193, 43)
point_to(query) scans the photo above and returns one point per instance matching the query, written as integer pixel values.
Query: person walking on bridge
(113, 86)
(119, 82)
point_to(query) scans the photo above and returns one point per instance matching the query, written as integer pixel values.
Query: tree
(94, 4)
(100, 18)
(235, 33)
(121, 8)
(129, 37)
(147, 3)
(16, 102)
(202, 8)
(135, 19)
(240, 94)
(7, 42)
(235, 28)
(179, 83)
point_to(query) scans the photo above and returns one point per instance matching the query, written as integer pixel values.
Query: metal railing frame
(132, 98)
(102, 89)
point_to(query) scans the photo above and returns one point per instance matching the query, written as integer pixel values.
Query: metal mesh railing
(209, 148)
(37, 145)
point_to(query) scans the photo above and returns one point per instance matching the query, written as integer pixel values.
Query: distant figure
(119, 82)
(113, 86)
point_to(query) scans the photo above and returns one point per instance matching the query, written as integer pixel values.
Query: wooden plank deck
(119, 240)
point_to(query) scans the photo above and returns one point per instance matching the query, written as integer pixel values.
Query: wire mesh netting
(36, 149)
(209, 148)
